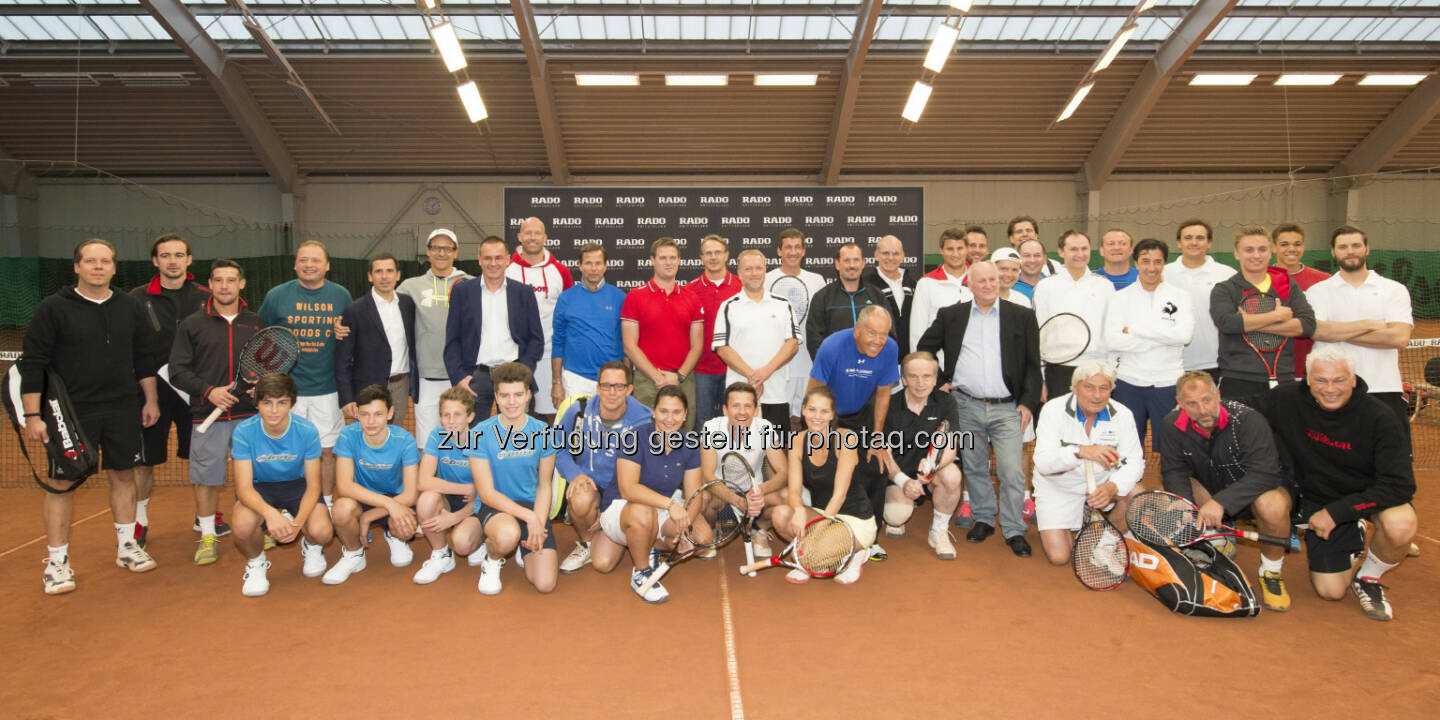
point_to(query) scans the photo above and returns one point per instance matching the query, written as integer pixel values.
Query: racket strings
(1154, 520)
(825, 548)
(1063, 338)
(735, 472)
(716, 523)
(1254, 305)
(271, 350)
(1101, 557)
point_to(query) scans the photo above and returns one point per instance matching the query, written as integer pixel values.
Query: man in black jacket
(97, 341)
(837, 306)
(992, 363)
(1221, 455)
(168, 298)
(380, 349)
(1352, 463)
(202, 365)
(896, 284)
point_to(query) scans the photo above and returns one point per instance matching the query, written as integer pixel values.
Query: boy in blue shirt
(277, 484)
(509, 453)
(376, 464)
(447, 490)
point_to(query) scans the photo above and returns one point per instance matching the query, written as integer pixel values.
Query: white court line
(1427, 537)
(737, 706)
(24, 545)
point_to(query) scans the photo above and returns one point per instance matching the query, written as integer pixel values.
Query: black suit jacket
(1019, 347)
(899, 307)
(363, 357)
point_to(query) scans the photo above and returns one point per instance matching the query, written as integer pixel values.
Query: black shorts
(115, 432)
(458, 502)
(284, 495)
(383, 521)
(1337, 553)
(486, 512)
(156, 438)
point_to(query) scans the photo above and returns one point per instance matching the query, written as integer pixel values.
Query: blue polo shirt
(275, 459)
(1024, 288)
(1121, 281)
(379, 469)
(664, 472)
(852, 375)
(514, 455)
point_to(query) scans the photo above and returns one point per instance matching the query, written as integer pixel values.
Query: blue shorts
(284, 495)
(485, 513)
(383, 522)
(458, 502)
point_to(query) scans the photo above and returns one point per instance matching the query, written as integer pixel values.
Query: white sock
(58, 554)
(258, 560)
(207, 525)
(1027, 495)
(965, 496)
(352, 553)
(124, 532)
(142, 511)
(329, 501)
(440, 553)
(1373, 568)
(941, 522)
(1271, 566)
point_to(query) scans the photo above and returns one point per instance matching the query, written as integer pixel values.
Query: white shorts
(610, 522)
(577, 385)
(323, 411)
(543, 404)
(1057, 508)
(864, 530)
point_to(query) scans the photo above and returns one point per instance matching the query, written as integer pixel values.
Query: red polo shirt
(664, 321)
(710, 296)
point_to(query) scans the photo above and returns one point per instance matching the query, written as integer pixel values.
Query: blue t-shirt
(310, 314)
(451, 465)
(1024, 288)
(514, 455)
(852, 375)
(275, 459)
(1120, 281)
(381, 469)
(663, 472)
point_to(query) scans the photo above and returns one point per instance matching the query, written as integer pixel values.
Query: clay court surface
(987, 635)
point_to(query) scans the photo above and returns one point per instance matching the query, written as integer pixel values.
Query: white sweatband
(900, 479)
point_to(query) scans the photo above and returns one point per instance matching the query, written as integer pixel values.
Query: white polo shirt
(752, 446)
(1203, 351)
(496, 345)
(1335, 300)
(1087, 297)
(394, 326)
(756, 330)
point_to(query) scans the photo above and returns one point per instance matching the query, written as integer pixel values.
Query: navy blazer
(462, 326)
(1019, 347)
(363, 357)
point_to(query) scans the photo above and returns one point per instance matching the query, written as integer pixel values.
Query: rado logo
(714, 199)
(671, 200)
(906, 219)
(692, 262)
(777, 220)
(692, 221)
(587, 200)
(650, 221)
(609, 222)
(629, 284)
(630, 200)
(819, 219)
(545, 200)
(799, 199)
(755, 199)
(755, 241)
(565, 222)
(840, 199)
(630, 242)
(582, 242)
(884, 199)
(735, 220)
(839, 239)
(861, 219)
(615, 263)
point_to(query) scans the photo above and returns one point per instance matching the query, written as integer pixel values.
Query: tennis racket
(821, 550)
(735, 472)
(715, 522)
(1163, 518)
(1064, 337)
(1267, 346)
(793, 290)
(273, 350)
(1099, 556)
(932, 456)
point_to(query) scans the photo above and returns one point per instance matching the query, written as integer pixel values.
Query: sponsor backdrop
(627, 220)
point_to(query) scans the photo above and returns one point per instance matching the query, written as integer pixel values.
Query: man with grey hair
(431, 293)
(992, 362)
(1219, 454)
(1079, 427)
(1352, 464)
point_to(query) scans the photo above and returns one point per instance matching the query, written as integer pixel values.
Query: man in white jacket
(1073, 290)
(1147, 326)
(1082, 426)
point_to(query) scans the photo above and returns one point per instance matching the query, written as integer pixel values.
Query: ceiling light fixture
(606, 79)
(1116, 45)
(1075, 101)
(919, 95)
(941, 47)
(449, 46)
(1308, 79)
(1393, 79)
(784, 79)
(1223, 79)
(693, 79)
(470, 98)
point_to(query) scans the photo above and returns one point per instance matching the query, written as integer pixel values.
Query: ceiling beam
(1146, 90)
(540, 86)
(14, 178)
(849, 89)
(225, 78)
(1398, 128)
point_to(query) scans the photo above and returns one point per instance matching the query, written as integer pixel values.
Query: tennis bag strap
(1185, 588)
(71, 455)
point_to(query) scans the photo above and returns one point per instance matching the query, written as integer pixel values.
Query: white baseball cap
(1005, 254)
(443, 231)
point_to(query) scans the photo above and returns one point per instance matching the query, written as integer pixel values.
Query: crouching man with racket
(376, 466)
(1083, 425)
(924, 466)
(1352, 463)
(1221, 455)
(277, 484)
(747, 452)
(823, 460)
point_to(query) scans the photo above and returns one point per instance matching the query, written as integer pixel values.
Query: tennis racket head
(932, 456)
(1064, 337)
(717, 522)
(825, 547)
(272, 350)
(1255, 304)
(1100, 557)
(735, 472)
(1163, 518)
(793, 290)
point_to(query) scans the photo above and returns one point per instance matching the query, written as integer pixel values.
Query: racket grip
(750, 555)
(750, 568)
(655, 576)
(214, 415)
(1291, 544)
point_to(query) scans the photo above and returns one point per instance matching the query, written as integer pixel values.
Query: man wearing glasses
(431, 293)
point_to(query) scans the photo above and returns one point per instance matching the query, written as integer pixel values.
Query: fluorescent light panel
(449, 46)
(1309, 79)
(1116, 45)
(941, 47)
(1075, 101)
(1230, 79)
(470, 98)
(1145, 5)
(600, 79)
(919, 95)
(962, 5)
(1393, 79)
(706, 79)
(779, 79)
(429, 4)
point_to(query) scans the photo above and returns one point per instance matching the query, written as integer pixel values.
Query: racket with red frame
(272, 350)
(1163, 518)
(821, 550)
(931, 463)
(1267, 346)
(1100, 557)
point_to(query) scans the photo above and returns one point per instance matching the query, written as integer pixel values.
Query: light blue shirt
(978, 373)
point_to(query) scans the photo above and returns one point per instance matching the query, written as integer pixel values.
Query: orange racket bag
(1198, 580)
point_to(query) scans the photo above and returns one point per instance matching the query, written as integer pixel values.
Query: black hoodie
(100, 350)
(1354, 461)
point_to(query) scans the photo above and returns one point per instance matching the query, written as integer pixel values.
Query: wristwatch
(680, 376)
